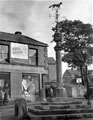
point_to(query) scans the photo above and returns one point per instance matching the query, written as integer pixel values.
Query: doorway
(5, 80)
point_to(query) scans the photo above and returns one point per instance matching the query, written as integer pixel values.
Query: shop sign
(79, 80)
(19, 51)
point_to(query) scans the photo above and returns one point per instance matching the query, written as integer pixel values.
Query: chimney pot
(18, 32)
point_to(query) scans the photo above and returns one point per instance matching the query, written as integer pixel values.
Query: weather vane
(56, 7)
(57, 35)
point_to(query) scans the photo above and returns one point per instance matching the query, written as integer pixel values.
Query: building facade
(52, 69)
(22, 58)
(73, 83)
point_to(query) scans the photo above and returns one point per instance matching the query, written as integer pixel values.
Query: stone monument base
(61, 92)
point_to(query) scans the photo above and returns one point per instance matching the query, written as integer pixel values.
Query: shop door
(5, 80)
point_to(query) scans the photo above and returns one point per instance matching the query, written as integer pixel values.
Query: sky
(34, 18)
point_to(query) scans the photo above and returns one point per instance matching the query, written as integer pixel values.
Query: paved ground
(7, 113)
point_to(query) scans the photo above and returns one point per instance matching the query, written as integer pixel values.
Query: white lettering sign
(78, 80)
(19, 51)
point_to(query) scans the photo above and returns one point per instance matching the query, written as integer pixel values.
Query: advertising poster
(19, 51)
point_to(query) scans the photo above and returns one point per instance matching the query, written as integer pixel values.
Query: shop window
(30, 84)
(33, 59)
(4, 57)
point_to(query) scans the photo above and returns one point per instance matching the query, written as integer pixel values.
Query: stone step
(61, 103)
(52, 107)
(61, 116)
(59, 111)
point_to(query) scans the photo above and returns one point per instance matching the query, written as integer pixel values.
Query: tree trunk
(81, 70)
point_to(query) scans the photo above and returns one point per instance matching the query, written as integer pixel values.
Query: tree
(76, 36)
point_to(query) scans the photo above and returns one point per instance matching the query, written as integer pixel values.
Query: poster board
(19, 51)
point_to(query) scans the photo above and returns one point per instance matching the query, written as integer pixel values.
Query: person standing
(51, 91)
(1, 96)
(6, 94)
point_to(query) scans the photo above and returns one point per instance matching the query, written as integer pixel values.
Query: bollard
(20, 107)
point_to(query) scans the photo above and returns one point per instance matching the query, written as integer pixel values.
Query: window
(33, 59)
(5, 81)
(30, 84)
(4, 53)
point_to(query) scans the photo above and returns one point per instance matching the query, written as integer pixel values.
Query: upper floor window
(33, 59)
(4, 53)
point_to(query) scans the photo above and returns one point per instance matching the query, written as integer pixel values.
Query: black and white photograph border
(32, 43)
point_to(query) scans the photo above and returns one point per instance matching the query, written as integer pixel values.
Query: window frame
(4, 61)
(36, 56)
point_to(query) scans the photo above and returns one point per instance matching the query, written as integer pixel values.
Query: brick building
(21, 57)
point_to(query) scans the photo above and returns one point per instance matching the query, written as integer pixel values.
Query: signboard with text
(19, 51)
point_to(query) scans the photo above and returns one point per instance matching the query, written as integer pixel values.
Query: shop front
(22, 64)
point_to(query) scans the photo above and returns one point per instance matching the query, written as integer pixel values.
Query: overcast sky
(32, 17)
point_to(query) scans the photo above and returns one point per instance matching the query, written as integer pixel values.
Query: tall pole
(58, 67)
(57, 39)
(58, 48)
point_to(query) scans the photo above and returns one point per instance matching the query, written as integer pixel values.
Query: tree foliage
(76, 36)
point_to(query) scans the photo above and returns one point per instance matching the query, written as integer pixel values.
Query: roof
(51, 60)
(75, 72)
(19, 38)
